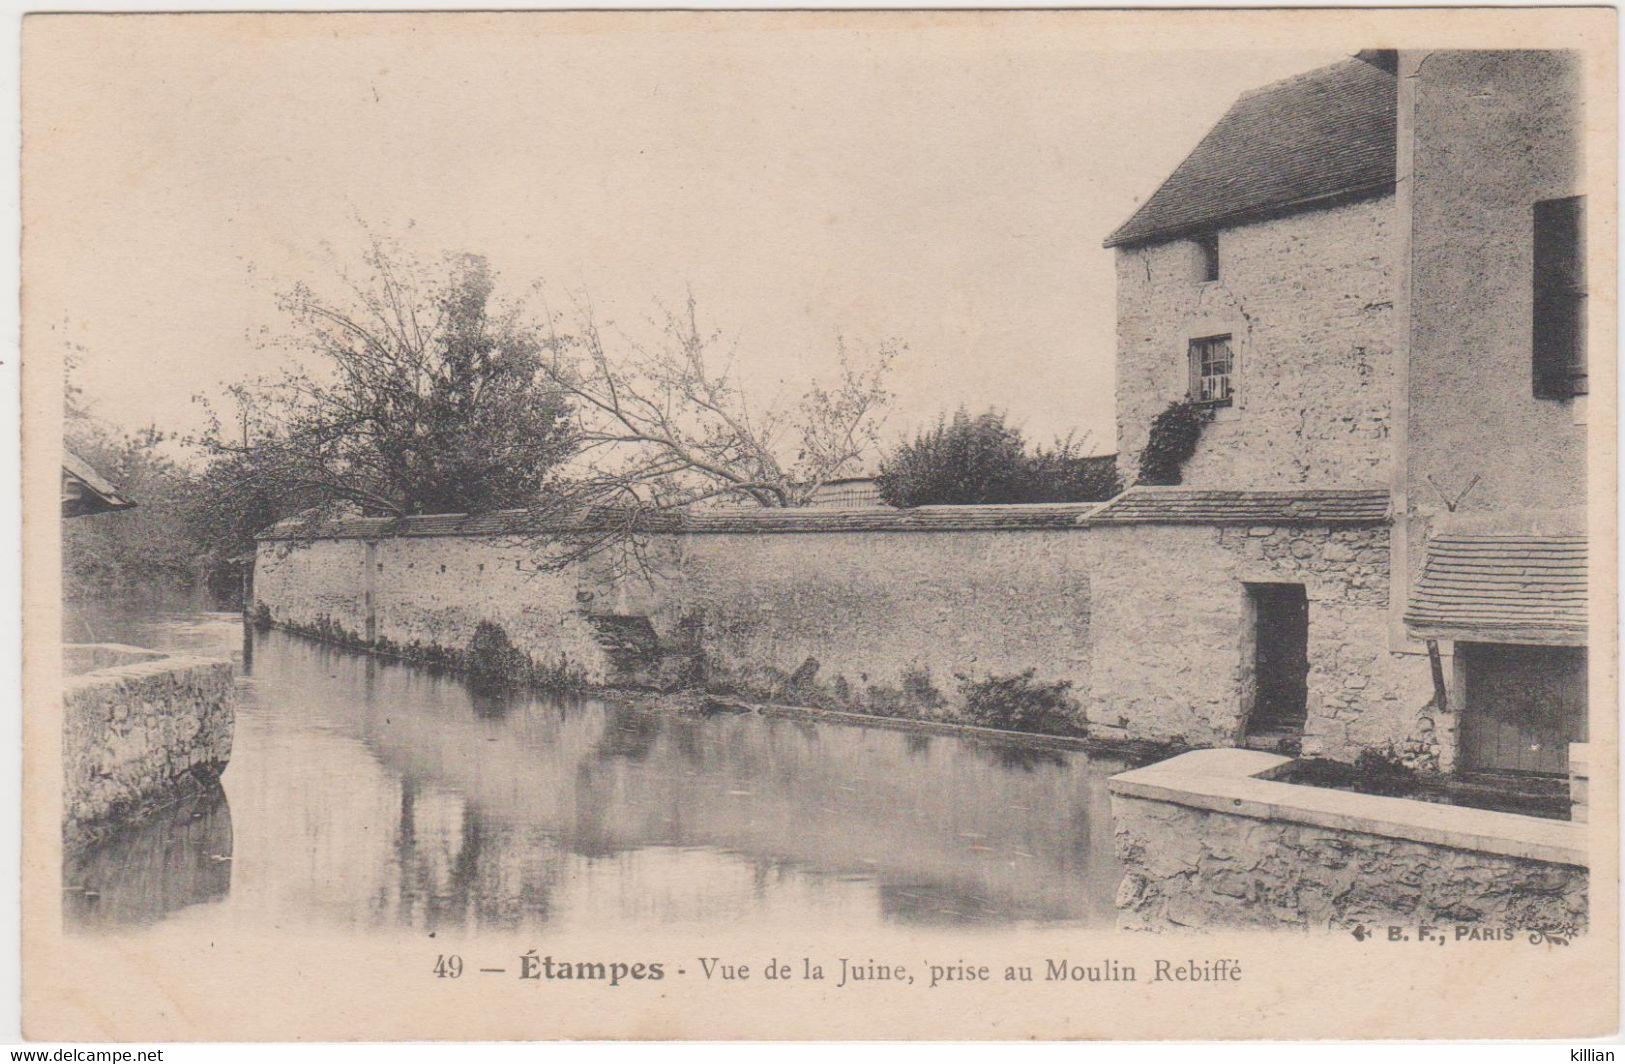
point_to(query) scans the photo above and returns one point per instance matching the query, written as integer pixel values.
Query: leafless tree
(665, 425)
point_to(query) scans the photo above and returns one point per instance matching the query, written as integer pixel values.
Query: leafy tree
(1066, 473)
(969, 460)
(419, 393)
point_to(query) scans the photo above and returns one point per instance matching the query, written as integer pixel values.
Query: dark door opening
(1523, 706)
(1280, 615)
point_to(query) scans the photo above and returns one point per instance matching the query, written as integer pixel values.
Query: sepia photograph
(890, 524)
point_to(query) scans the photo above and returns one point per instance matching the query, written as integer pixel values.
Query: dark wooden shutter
(1560, 298)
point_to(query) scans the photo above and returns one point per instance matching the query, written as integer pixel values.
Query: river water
(368, 795)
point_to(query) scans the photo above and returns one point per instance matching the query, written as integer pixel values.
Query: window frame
(1196, 351)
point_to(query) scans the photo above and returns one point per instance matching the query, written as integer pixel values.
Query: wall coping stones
(156, 663)
(1010, 517)
(81, 658)
(1137, 505)
(1235, 782)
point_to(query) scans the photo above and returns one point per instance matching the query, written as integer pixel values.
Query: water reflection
(370, 794)
(178, 857)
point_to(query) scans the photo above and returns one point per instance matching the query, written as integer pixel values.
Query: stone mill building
(1371, 279)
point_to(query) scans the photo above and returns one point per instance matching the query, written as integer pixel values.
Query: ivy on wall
(1173, 439)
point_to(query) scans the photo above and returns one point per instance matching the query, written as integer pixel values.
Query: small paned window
(1212, 365)
(1560, 298)
(1207, 263)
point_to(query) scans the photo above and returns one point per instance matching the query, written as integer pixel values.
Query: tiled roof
(1310, 139)
(1189, 506)
(1503, 584)
(91, 493)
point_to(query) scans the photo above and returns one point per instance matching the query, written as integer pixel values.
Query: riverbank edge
(697, 701)
(89, 834)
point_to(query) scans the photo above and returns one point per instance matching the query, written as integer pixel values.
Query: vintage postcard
(820, 525)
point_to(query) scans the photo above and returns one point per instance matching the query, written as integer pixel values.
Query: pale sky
(943, 183)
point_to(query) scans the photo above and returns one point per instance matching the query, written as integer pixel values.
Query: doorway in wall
(1280, 650)
(1523, 706)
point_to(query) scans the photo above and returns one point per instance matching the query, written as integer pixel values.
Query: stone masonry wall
(1307, 300)
(874, 606)
(301, 582)
(1172, 647)
(432, 592)
(1149, 623)
(1193, 868)
(1495, 132)
(133, 732)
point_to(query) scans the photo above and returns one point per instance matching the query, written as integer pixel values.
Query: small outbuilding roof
(1509, 588)
(1317, 138)
(85, 491)
(1192, 506)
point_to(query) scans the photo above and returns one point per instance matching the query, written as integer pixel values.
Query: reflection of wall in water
(500, 810)
(179, 856)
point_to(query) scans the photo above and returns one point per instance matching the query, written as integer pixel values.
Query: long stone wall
(883, 611)
(1208, 844)
(886, 615)
(428, 595)
(136, 725)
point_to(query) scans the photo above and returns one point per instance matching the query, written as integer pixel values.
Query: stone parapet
(137, 727)
(1209, 840)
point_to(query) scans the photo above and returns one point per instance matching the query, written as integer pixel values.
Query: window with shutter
(1559, 334)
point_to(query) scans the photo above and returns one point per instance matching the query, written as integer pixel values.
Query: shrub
(1065, 474)
(918, 688)
(971, 460)
(966, 460)
(804, 676)
(492, 661)
(1173, 438)
(560, 675)
(262, 617)
(1018, 703)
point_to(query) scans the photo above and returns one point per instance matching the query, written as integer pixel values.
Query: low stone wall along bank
(138, 727)
(1209, 841)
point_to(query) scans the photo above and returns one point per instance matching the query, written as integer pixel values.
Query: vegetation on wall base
(490, 662)
(1018, 702)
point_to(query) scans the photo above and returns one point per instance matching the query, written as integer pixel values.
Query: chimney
(1382, 58)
